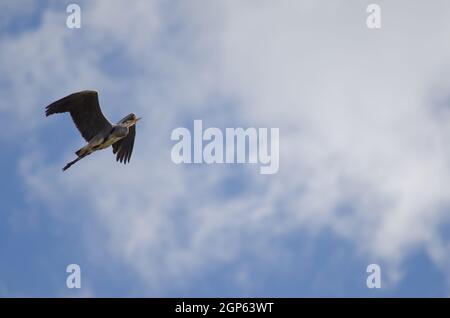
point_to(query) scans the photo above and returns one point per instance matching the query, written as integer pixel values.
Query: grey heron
(99, 133)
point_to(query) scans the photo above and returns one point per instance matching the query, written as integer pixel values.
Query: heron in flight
(98, 132)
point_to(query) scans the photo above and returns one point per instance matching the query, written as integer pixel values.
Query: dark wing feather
(124, 147)
(85, 111)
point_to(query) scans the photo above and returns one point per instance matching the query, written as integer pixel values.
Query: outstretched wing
(124, 147)
(85, 111)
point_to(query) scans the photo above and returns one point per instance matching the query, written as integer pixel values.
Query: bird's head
(129, 120)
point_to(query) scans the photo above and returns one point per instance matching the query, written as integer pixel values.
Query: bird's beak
(137, 119)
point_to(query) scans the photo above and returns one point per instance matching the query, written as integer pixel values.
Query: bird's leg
(92, 146)
(74, 161)
(71, 163)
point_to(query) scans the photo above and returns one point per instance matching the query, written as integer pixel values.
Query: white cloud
(360, 125)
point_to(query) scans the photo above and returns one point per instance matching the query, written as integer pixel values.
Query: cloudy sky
(364, 124)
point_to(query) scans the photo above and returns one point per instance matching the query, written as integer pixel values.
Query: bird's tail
(83, 151)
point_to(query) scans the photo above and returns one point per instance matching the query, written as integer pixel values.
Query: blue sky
(364, 163)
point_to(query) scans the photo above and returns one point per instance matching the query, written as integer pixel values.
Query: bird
(97, 131)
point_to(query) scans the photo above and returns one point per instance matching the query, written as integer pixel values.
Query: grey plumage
(99, 133)
(124, 147)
